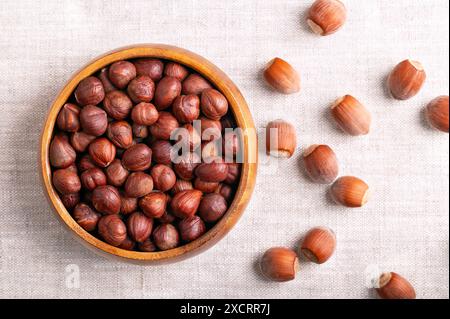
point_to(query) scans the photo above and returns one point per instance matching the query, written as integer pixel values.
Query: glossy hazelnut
(350, 191)
(191, 228)
(69, 118)
(102, 151)
(188, 137)
(231, 144)
(66, 181)
(92, 178)
(116, 174)
(147, 246)
(351, 116)
(128, 205)
(70, 200)
(121, 73)
(139, 131)
(394, 286)
(281, 139)
(94, 120)
(137, 158)
(162, 151)
(139, 227)
(212, 207)
(166, 237)
(112, 229)
(211, 129)
(86, 217)
(226, 191)
(194, 84)
(127, 244)
(185, 204)
(89, 91)
(153, 204)
(281, 76)
(151, 67)
(321, 164)
(120, 133)
(186, 165)
(144, 114)
(319, 244)
(406, 79)
(326, 16)
(176, 70)
(104, 78)
(205, 187)
(141, 89)
(234, 172)
(279, 264)
(138, 184)
(86, 163)
(106, 199)
(80, 141)
(61, 154)
(181, 185)
(164, 126)
(166, 91)
(437, 113)
(163, 177)
(213, 104)
(117, 105)
(186, 108)
(215, 171)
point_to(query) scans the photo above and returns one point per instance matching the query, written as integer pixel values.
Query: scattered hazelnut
(61, 154)
(351, 116)
(94, 120)
(321, 164)
(281, 139)
(185, 204)
(213, 104)
(70, 200)
(106, 199)
(162, 151)
(181, 185)
(153, 204)
(93, 177)
(234, 172)
(117, 104)
(437, 113)
(212, 207)
(163, 177)
(104, 78)
(89, 91)
(102, 151)
(112, 229)
(279, 264)
(194, 84)
(215, 171)
(319, 244)
(86, 217)
(69, 118)
(121, 73)
(406, 79)
(150, 67)
(176, 70)
(139, 227)
(205, 187)
(141, 89)
(281, 76)
(166, 237)
(350, 191)
(186, 165)
(86, 163)
(138, 184)
(166, 124)
(326, 16)
(80, 141)
(211, 129)
(128, 205)
(137, 158)
(394, 286)
(66, 181)
(167, 89)
(191, 228)
(144, 114)
(120, 133)
(147, 246)
(186, 108)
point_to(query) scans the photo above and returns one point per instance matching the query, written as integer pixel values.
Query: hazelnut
(186, 164)
(141, 89)
(120, 133)
(102, 151)
(106, 199)
(279, 264)
(213, 104)
(128, 205)
(215, 171)
(166, 237)
(176, 70)
(138, 184)
(153, 204)
(137, 158)
(140, 131)
(86, 217)
(350, 191)
(188, 137)
(321, 164)
(212, 207)
(166, 124)
(162, 151)
(226, 191)
(351, 116)
(93, 177)
(437, 113)
(163, 177)
(80, 141)
(86, 163)
(61, 154)
(234, 172)
(70, 200)
(185, 204)
(121, 73)
(89, 91)
(150, 67)
(181, 185)
(144, 114)
(112, 229)
(205, 187)
(94, 120)
(211, 129)
(73, 168)
(127, 244)
(394, 286)
(104, 78)
(166, 91)
(116, 174)
(186, 108)
(66, 181)
(191, 228)
(326, 16)
(231, 144)
(406, 79)
(319, 244)
(69, 118)
(194, 84)
(281, 139)
(211, 149)
(117, 104)
(147, 246)
(166, 218)
(281, 76)
(139, 227)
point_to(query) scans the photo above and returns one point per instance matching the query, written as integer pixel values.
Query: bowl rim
(242, 115)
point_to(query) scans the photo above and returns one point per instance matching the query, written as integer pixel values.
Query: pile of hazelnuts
(115, 166)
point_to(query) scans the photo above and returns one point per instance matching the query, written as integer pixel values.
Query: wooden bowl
(243, 118)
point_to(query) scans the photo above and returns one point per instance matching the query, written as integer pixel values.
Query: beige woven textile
(404, 227)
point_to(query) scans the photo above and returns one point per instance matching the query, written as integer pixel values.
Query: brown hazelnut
(191, 228)
(61, 154)
(112, 229)
(212, 207)
(281, 139)
(70, 200)
(128, 205)
(94, 120)
(281, 76)
(321, 164)
(406, 79)
(211, 149)
(153, 204)
(151, 67)
(166, 124)
(116, 174)
(104, 78)
(279, 264)
(106, 199)
(234, 172)
(351, 116)
(213, 171)
(162, 152)
(186, 108)
(86, 163)
(226, 191)
(185, 204)
(141, 89)
(147, 246)
(437, 113)
(186, 165)
(138, 184)
(188, 137)
(166, 237)
(120, 133)
(117, 104)
(92, 178)
(86, 217)
(89, 91)
(137, 158)
(181, 185)
(127, 244)
(213, 104)
(167, 218)
(72, 167)
(231, 144)
(176, 70)
(102, 151)
(69, 118)
(139, 131)
(205, 187)
(144, 114)
(66, 181)
(194, 84)
(394, 286)
(163, 177)
(166, 91)
(80, 141)
(121, 73)
(319, 244)
(139, 227)
(211, 129)
(350, 191)
(326, 16)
